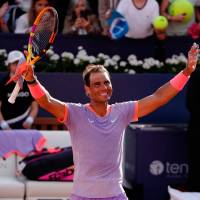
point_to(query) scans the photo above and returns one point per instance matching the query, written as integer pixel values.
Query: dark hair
(3, 1)
(32, 12)
(92, 68)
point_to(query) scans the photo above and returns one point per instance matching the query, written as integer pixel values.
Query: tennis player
(97, 128)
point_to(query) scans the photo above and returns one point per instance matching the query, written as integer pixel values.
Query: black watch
(31, 82)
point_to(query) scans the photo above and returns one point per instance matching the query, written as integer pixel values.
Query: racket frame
(30, 59)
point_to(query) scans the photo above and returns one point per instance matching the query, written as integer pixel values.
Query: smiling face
(100, 87)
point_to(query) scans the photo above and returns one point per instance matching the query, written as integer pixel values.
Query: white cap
(14, 56)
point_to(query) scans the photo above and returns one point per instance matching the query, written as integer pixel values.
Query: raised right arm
(40, 94)
(46, 101)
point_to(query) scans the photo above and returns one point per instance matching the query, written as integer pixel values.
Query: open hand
(23, 70)
(192, 59)
(178, 18)
(20, 71)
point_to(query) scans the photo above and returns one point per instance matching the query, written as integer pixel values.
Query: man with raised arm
(97, 128)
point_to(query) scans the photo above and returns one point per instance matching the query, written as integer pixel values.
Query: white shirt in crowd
(139, 19)
(22, 25)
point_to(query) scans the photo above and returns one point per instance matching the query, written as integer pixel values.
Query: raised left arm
(169, 90)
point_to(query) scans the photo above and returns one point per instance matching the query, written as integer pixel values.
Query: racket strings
(43, 32)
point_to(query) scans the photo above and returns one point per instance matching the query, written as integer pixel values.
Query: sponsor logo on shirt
(21, 94)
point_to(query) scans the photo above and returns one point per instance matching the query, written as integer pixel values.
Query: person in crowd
(193, 106)
(22, 113)
(61, 6)
(139, 15)
(177, 26)
(25, 21)
(4, 6)
(12, 11)
(23, 4)
(16, 9)
(105, 8)
(80, 19)
(97, 128)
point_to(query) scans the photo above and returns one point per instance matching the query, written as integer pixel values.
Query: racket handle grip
(14, 93)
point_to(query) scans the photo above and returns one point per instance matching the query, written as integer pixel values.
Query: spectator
(3, 10)
(15, 11)
(176, 26)
(25, 22)
(140, 15)
(80, 19)
(24, 4)
(61, 11)
(22, 113)
(104, 9)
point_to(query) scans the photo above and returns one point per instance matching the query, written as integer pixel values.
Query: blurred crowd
(84, 17)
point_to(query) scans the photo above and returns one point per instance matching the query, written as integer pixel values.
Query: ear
(87, 90)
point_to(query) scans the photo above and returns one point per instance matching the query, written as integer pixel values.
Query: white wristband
(29, 120)
(4, 125)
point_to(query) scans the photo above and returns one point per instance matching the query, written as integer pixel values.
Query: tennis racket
(41, 37)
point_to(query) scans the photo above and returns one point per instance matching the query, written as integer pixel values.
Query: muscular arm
(166, 92)
(159, 98)
(52, 105)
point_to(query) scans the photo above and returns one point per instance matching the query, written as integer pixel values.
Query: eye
(107, 83)
(97, 84)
